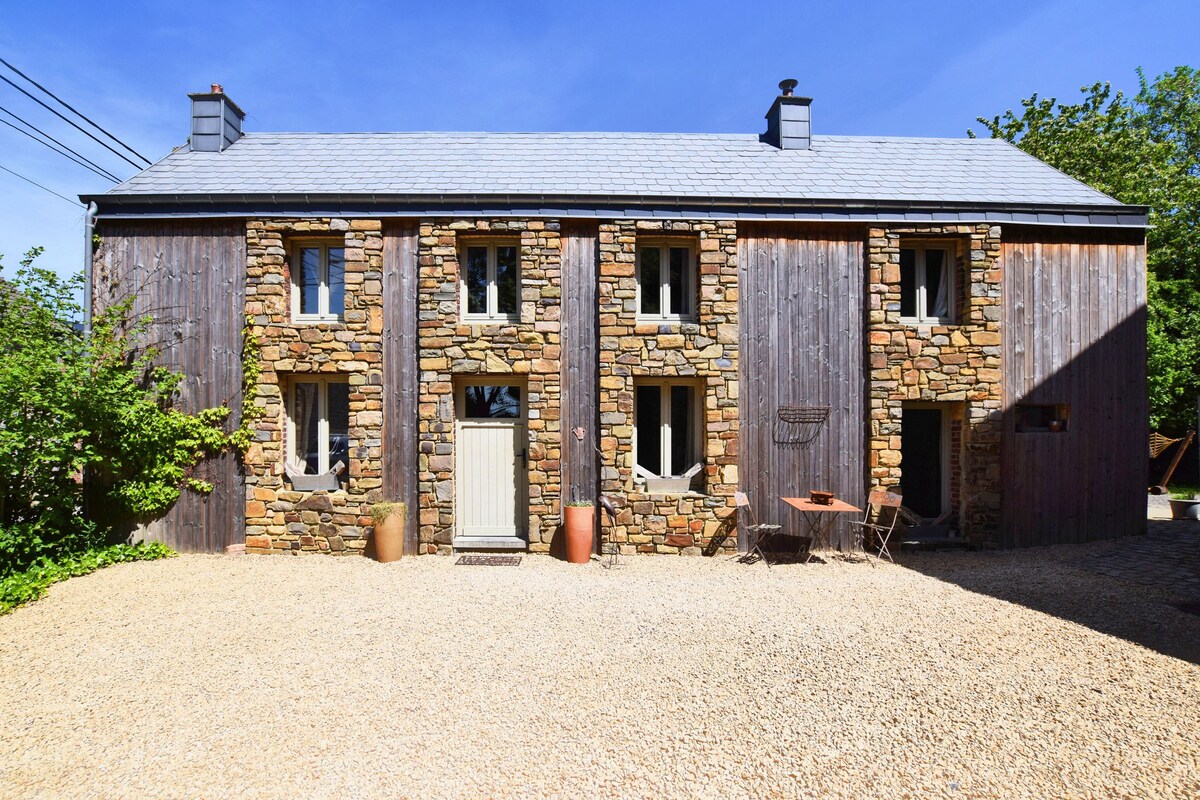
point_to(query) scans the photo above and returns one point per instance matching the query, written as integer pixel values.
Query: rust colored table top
(804, 504)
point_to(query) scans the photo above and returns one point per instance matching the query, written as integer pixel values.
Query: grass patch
(24, 587)
(1183, 491)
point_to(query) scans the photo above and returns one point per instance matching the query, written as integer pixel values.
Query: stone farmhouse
(487, 326)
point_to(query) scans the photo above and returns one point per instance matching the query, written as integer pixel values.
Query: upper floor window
(491, 282)
(319, 282)
(926, 283)
(666, 277)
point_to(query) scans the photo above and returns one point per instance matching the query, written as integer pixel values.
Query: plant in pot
(1185, 505)
(388, 519)
(580, 526)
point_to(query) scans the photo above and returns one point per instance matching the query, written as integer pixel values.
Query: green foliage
(71, 404)
(381, 511)
(580, 504)
(242, 437)
(30, 584)
(1143, 150)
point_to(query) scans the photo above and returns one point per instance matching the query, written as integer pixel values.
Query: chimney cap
(787, 86)
(217, 92)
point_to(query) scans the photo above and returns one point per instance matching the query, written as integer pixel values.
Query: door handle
(525, 457)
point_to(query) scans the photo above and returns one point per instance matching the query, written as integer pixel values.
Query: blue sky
(892, 68)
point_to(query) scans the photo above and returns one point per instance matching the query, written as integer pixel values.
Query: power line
(43, 188)
(76, 157)
(72, 124)
(77, 113)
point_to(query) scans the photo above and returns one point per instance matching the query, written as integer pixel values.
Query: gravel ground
(958, 675)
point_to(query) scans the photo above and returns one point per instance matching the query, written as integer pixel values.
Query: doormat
(487, 561)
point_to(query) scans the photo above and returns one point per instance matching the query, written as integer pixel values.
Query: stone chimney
(789, 122)
(216, 120)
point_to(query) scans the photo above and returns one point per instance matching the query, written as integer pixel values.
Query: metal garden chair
(884, 508)
(755, 531)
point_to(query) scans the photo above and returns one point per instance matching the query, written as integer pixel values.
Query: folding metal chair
(759, 531)
(878, 505)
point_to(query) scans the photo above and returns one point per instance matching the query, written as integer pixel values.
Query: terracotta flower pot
(579, 531)
(389, 536)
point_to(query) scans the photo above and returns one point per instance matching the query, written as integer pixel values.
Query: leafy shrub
(73, 405)
(22, 587)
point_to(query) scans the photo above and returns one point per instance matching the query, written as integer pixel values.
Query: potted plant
(1184, 506)
(389, 530)
(580, 526)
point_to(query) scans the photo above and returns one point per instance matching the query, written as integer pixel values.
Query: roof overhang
(116, 206)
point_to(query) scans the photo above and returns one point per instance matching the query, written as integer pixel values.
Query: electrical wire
(79, 114)
(72, 155)
(43, 188)
(73, 125)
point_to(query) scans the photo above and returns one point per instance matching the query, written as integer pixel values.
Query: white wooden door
(490, 442)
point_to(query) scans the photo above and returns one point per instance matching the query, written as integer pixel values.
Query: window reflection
(492, 402)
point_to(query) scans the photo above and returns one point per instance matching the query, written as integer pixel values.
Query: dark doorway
(921, 470)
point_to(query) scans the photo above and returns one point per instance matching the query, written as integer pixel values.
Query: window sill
(316, 319)
(490, 320)
(643, 320)
(641, 489)
(931, 322)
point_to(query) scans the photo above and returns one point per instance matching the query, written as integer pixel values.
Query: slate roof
(724, 167)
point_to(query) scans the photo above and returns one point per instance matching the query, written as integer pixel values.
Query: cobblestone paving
(1167, 557)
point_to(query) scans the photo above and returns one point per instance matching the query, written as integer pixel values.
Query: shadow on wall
(1074, 463)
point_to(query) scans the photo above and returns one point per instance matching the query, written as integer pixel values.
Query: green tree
(71, 404)
(1143, 150)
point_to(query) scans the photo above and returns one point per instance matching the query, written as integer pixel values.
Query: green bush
(22, 587)
(73, 405)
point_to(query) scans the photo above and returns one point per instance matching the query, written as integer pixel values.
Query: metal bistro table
(819, 519)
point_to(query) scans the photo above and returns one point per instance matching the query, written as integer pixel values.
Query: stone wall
(528, 350)
(706, 350)
(958, 363)
(279, 519)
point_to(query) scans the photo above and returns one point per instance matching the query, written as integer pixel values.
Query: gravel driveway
(978, 675)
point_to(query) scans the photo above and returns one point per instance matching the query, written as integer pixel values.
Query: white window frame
(323, 382)
(666, 435)
(664, 247)
(323, 314)
(919, 249)
(493, 294)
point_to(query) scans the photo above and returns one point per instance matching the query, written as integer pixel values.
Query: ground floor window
(318, 423)
(667, 433)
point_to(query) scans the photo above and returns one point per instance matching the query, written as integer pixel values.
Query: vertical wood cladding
(1075, 334)
(580, 398)
(400, 372)
(190, 277)
(801, 332)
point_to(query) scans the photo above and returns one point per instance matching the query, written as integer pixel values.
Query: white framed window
(926, 283)
(666, 281)
(318, 281)
(667, 427)
(490, 281)
(318, 423)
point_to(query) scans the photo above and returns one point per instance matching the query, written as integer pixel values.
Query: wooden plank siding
(400, 374)
(802, 323)
(580, 393)
(1074, 325)
(190, 276)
